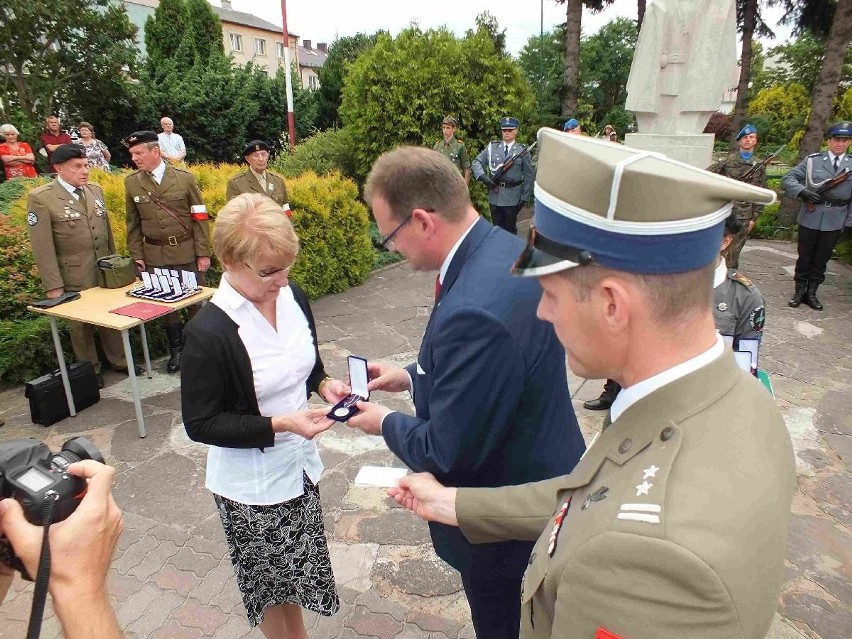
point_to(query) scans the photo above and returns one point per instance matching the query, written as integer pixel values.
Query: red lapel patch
(603, 633)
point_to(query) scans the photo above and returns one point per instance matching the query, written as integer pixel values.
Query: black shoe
(173, 365)
(100, 380)
(601, 403)
(799, 295)
(175, 332)
(810, 297)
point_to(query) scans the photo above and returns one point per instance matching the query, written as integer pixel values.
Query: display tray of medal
(166, 285)
(358, 378)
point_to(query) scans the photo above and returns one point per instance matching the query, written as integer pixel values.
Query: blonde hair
(250, 224)
(9, 128)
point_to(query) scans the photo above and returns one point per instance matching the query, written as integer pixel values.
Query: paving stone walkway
(171, 576)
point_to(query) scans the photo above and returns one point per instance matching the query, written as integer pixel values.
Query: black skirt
(280, 554)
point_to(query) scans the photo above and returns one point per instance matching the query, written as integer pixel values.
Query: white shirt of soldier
(157, 174)
(629, 396)
(720, 274)
(68, 188)
(281, 362)
(171, 143)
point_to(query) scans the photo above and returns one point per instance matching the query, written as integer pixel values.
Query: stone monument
(685, 59)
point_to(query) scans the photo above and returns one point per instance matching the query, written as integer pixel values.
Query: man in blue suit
(489, 385)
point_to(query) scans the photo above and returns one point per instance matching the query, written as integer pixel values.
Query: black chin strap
(43, 575)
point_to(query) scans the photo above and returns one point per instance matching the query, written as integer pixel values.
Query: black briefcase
(47, 396)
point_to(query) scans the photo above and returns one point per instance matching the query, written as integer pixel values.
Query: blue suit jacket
(490, 384)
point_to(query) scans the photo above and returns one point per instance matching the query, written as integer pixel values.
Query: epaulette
(497, 142)
(813, 155)
(459, 140)
(41, 189)
(739, 277)
(136, 172)
(177, 168)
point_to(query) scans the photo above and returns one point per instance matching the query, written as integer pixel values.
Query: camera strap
(43, 574)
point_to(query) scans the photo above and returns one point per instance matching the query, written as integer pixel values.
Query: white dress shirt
(629, 396)
(158, 173)
(68, 188)
(720, 274)
(281, 361)
(171, 143)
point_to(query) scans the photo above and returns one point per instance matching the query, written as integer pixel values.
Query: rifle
(507, 164)
(761, 164)
(826, 186)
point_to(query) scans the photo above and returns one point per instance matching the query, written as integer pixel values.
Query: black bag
(47, 396)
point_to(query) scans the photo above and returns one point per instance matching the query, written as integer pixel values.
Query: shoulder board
(522, 145)
(41, 189)
(136, 172)
(497, 142)
(813, 155)
(180, 170)
(459, 140)
(739, 277)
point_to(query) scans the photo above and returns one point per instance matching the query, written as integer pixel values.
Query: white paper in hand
(379, 476)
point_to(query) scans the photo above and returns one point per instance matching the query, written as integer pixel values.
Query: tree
(60, 55)
(543, 62)
(398, 91)
(784, 108)
(341, 54)
(749, 23)
(800, 61)
(605, 60)
(205, 30)
(485, 21)
(165, 32)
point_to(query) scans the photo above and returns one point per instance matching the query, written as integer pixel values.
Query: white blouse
(281, 362)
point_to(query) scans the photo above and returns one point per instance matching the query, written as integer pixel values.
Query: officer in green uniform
(737, 165)
(69, 231)
(674, 523)
(453, 148)
(167, 222)
(258, 179)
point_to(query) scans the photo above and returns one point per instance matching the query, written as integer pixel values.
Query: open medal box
(166, 285)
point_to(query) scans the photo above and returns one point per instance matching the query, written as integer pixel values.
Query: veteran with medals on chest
(674, 523)
(167, 222)
(258, 179)
(69, 231)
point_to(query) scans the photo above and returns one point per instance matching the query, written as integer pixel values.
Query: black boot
(799, 295)
(175, 332)
(610, 392)
(811, 298)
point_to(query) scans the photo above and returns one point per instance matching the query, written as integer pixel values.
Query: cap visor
(534, 262)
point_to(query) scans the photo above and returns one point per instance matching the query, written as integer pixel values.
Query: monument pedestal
(696, 150)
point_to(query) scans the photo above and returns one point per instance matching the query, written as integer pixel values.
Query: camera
(32, 474)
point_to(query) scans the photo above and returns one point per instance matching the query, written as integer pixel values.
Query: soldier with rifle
(742, 165)
(821, 182)
(504, 166)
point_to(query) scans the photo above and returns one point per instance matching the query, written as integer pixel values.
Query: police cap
(625, 209)
(509, 123)
(140, 137)
(66, 152)
(255, 145)
(842, 129)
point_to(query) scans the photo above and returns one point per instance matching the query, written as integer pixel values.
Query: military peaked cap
(841, 129)
(450, 120)
(66, 152)
(625, 209)
(140, 137)
(509, 123)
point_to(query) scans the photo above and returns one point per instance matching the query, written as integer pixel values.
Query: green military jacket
(733, 166)
(738, 307)
(456, 151)
(68, 236)
(159, 238)
(247, 183)
(676, 523)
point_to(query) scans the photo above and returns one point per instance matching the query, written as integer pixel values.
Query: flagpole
(291, 119)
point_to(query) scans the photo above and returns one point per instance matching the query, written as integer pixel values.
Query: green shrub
(322, 153)
(26, 348)
(19, 281)
(11, 190)
(383, 257)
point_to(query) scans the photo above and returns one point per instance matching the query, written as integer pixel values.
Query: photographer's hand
(81, 548)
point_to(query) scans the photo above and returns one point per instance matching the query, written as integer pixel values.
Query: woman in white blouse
(250, 362)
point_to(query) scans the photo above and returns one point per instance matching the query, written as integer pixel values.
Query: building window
(236, 42)
(280, 46)
(259, 46)
(312, 82)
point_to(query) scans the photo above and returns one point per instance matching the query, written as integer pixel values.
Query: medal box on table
(166, 285)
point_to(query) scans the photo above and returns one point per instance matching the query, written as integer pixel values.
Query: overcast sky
(325, 20)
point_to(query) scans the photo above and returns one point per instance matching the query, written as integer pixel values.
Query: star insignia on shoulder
(643, 488)
(650, 472)
(742, 279)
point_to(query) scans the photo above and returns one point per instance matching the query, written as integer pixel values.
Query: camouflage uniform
(735, 167)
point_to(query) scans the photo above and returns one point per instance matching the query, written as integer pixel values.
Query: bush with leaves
(784, 107)
(323, 153)
(398, 91)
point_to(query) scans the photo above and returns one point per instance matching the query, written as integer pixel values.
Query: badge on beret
(722, 306)
(32, 218)
(758, 318)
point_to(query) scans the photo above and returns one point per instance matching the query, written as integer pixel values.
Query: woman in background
(18, 159)
(97, 153)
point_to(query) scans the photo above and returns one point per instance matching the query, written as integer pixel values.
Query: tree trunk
(641, 12)
(571, 78)
(749, 15)
(829, 78)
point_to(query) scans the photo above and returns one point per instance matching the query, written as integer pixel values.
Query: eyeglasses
(387, 241)
(267, 274)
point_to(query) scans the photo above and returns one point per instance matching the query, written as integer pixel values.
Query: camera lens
(74, 450)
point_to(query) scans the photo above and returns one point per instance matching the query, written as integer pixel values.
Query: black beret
(139, 138)
(66, 152)
(255, 145)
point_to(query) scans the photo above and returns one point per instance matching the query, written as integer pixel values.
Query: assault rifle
(826, 186)
(747, 175)
(507, 164)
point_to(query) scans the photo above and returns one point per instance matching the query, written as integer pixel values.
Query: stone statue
(685, 59)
